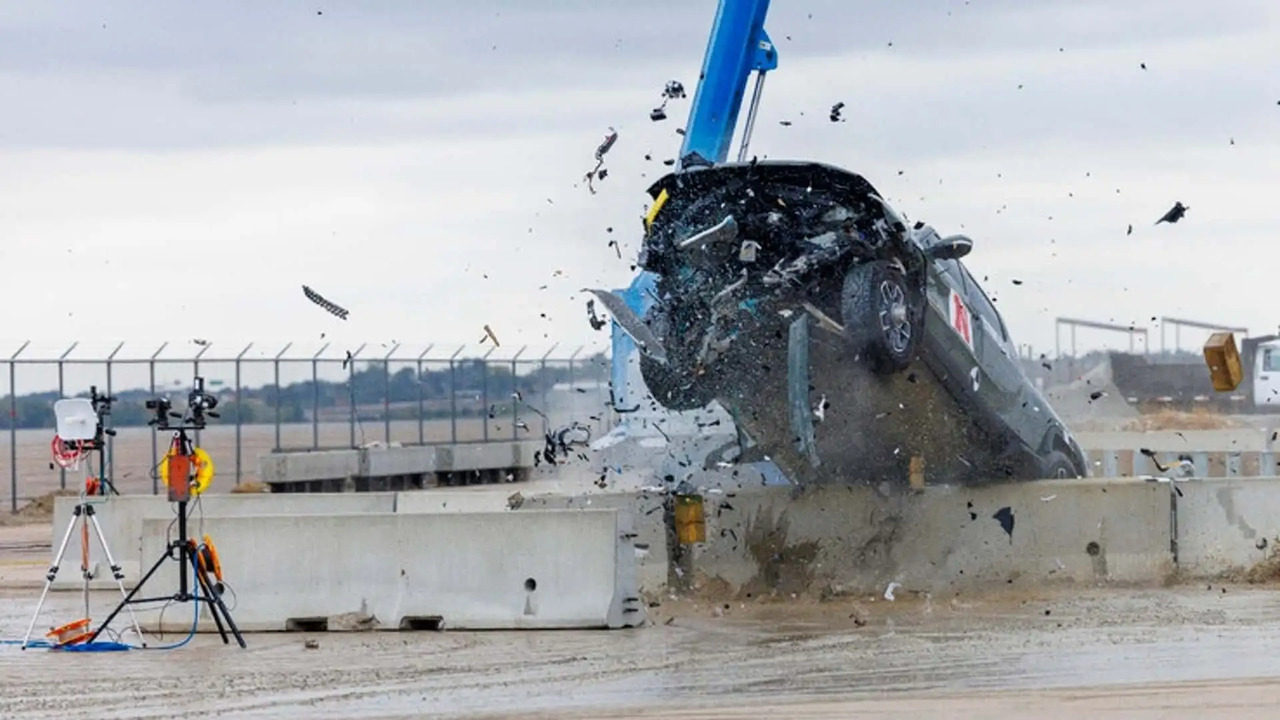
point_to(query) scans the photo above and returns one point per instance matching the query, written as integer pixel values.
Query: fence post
(418, 378)
(515, 389)
(484, 391)
(573, 384)
(111, 439)
(275, 366)
(542, 383)
(155, 459)
(195, 371)
(351, 386)
(13, 428)
(386, 395)
(315, 397)
(453, 398)
(239, 412)
(62, 472)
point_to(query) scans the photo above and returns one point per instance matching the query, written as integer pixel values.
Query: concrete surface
(121, 518)
(468, 570)
(1172, 654)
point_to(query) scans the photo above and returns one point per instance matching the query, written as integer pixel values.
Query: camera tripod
(191, 557)
(84, 516)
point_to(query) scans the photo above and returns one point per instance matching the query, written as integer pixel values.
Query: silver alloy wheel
(895, 319)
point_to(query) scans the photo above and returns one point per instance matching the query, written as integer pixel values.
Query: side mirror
(952, 247)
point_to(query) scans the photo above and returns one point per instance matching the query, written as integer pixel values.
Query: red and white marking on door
(961, 320)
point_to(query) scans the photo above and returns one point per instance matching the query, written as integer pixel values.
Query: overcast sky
(178, 170)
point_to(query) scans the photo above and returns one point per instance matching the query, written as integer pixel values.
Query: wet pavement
(857, 653)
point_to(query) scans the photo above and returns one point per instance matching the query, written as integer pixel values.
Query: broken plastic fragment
(631, 324)
(888, 592)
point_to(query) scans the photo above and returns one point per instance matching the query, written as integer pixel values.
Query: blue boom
(737, 47)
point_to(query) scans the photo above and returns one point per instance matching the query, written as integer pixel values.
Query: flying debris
(201, 342)
(1130, 232)
(599, 171)
(673, 91)
(1175, 213)
(597, 323)
(488, 335)
(835, 112)
(331, 307)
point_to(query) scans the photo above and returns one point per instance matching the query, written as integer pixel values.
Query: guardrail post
(13, 427)
(62, 472)
(240, 412)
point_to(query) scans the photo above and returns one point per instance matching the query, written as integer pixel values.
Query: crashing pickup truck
(843, 340)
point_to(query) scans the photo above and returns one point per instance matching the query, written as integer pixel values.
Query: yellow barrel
(691, 524)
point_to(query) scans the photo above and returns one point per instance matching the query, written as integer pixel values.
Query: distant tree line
(439, 390)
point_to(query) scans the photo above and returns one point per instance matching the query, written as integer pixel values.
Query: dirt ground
(1202, 651)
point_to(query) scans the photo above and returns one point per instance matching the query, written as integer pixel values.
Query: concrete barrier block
(121, 520)
(305, 466)
(1227, 525)
(856, 539)
(381, 462)
(552, 569)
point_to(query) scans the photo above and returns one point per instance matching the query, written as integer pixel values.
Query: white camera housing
(76, 419)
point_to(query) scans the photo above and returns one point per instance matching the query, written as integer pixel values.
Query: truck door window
(1271, 360)
(983, 303)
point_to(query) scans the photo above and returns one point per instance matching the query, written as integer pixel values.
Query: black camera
(200, 401)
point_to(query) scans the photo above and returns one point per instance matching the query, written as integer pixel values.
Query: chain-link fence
(284, 399)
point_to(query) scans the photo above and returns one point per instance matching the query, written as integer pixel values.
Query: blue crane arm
(738, 45)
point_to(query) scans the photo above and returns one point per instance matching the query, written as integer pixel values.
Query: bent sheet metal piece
(631, 324)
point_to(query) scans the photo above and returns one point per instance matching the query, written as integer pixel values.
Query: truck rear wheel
(880, 317)
(1058, 466)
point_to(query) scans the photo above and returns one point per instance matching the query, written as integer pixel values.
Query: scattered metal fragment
(888, 592)
(1096, 394)
(835, 112)
(201, 342)
(514, 501)
(331, 307)
(347, 360)
(311, 644)
(1130, 232)
(1175, 213)
(488, 335)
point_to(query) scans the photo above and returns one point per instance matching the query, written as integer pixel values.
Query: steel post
(351, 385)
(155, 457)
(543, 383)
(386, 395)
(111, 440)
(315, 397)
(62, 472)
(453, 396)
(515, 389)
(13, 428)
(239, 412)
(275, 367)
(419, 383)
(195, 371)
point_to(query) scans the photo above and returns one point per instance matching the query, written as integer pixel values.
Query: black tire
(1056, 465)
(881, 316)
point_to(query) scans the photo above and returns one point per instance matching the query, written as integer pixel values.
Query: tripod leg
(118, 575)
(222, 608)
(206, 588)
(129, 598)
(49, 577)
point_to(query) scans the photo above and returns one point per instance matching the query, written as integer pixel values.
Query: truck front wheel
(880, 316)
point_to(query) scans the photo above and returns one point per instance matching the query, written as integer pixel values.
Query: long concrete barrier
(396, 468)
(837, 540)
(1227, 526)
(460, 570)
(121, 519)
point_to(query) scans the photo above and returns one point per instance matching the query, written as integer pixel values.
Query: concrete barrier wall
(1219, 464)
(121, 519)
(302, 466)
(856, 540)
(470, 570)
(1227, 526)
(377, 462)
